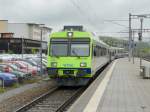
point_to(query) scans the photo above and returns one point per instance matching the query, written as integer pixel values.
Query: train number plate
(68, 72)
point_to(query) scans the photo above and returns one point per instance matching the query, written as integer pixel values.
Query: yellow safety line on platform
(95, 99)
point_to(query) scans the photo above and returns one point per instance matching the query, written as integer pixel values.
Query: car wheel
(20, 80)
(1, 82)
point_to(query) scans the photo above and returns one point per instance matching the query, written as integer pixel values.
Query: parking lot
(17, 70)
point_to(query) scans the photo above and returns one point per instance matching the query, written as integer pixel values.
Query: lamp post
(140, 39)
(133, 45)
(8, 47)
(130, 36)
(41, 29)
(22, 46)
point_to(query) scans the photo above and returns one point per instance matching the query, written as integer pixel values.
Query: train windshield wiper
(74, 52)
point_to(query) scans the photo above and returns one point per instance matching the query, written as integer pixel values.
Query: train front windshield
(70, 47)
(80, 50)
(59, 49)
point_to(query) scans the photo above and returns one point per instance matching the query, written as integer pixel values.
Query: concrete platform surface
(124, 90)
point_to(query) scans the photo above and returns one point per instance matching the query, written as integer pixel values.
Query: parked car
(36, 65)
(34, 69)
(10, 68)
(38, 61)
(24, 67)
(8, 79)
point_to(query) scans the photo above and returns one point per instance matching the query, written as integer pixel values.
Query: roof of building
(7, 33)
(3, 20)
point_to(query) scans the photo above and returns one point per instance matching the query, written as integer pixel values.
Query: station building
(23, 37)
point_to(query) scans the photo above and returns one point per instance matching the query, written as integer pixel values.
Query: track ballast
(56, 100)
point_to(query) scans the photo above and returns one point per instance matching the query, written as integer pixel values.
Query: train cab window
(70, 47)
(59, 49)
(95, 51)
(80, 50)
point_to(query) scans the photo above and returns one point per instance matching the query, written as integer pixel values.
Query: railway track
(56, 100)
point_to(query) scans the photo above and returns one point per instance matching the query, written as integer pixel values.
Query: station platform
(119, 88)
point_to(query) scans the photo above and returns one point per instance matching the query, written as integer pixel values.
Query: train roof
(116, 48)
(100, 42)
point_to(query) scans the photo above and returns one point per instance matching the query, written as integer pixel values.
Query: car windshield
(80, 50)
(25, 63)
(31, 62)
(59, 49)
(14, 66)
(19, 65)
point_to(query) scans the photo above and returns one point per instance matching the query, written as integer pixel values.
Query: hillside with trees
(143, 47)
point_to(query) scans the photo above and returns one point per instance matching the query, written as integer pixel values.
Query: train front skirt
(72, 81)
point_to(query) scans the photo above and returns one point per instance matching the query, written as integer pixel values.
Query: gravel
(14, 99)
(51, 103)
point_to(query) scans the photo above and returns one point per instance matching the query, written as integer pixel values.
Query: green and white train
(75, 55)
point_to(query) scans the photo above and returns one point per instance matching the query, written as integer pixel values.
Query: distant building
(7, 35)
(4, 30)
(29, 31)
(23, 37)
(3, 26)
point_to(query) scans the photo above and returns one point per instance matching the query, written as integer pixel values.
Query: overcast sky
(90, 13)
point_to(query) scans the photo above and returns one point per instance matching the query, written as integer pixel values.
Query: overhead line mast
(139, 31)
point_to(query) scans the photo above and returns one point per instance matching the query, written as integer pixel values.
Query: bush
(2, 90)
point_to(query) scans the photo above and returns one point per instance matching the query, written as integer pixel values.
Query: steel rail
(35, 101)
(70, 100)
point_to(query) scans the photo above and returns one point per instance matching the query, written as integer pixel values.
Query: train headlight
(83, 64)
(70, 34)
(53, 64)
